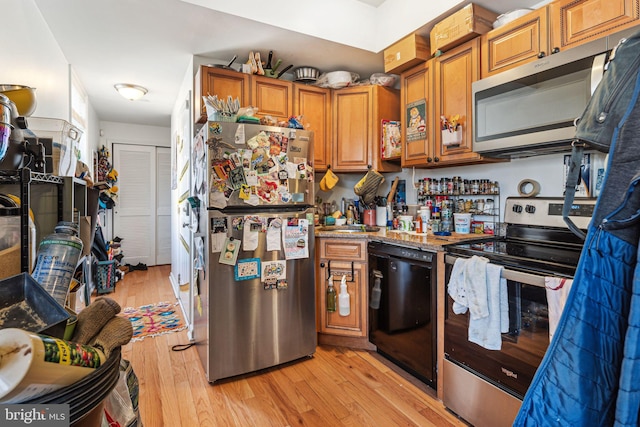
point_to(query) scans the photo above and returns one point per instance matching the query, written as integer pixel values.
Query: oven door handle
(516, 276)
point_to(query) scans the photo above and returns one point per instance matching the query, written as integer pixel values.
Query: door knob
(185, 224)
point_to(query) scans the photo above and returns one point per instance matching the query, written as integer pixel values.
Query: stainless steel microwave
(531, 109)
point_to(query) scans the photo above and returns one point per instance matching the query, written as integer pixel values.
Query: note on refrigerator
(274, 234)
(295, 238)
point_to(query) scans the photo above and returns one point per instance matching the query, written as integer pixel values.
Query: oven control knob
(517, 208)
(530, 209)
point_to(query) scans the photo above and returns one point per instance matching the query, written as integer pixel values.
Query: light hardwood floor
(336, 387)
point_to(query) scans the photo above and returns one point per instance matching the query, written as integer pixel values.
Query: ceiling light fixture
(131, 92)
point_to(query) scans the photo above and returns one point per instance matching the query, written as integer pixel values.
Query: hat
(329, 180)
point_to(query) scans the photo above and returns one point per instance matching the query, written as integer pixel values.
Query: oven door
(512, 368)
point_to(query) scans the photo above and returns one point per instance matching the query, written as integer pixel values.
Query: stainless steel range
(486, 387)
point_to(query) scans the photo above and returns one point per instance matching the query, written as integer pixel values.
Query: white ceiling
(151, 42)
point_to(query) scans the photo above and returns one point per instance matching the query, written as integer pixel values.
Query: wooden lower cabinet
(338, 257)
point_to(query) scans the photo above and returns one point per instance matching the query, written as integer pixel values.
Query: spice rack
(479, 197)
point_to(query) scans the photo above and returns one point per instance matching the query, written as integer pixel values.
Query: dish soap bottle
(331, 296)
(344, 308)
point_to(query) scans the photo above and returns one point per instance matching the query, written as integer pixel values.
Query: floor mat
(154, 319)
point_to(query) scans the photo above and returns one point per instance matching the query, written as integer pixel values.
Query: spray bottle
(376, 292)
(331, 295)
(344, 305)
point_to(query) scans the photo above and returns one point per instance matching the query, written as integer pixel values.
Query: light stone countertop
(422, 241)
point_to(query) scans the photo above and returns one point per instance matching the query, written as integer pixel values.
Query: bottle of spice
(475, 187)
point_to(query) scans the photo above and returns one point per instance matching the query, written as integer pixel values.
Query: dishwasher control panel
(400, 252)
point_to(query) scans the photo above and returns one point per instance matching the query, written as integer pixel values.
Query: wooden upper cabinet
(221, 82)
(522, 40)
(272, 97)
(314, 104)
(577, 22)
(455, 70)
(417, 88)
(357, 127)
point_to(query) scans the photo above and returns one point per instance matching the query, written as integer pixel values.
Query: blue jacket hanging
(590, 375)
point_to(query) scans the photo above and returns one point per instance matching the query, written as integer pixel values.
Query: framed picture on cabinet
(415, 119)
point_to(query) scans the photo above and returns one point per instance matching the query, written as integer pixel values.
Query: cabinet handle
(322, 265)
(542, 55)
(429, 160)
(437, 159)
(555, 50)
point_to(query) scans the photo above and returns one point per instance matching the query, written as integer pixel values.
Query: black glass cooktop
(542, 258)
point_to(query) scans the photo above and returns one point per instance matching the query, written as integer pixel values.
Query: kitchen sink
(349, 228)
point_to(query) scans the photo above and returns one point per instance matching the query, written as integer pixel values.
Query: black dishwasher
(402, 322)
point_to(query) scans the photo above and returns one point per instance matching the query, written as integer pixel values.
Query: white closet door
(134, 216)
(163, 198)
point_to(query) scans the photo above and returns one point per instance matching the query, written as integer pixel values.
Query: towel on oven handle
(467, 286)
(557, 289)
(477, 285)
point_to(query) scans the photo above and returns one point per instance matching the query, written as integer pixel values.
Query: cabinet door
(454, 72)
(417, 108)
(314, 104)
(355, 324)
(352, 118)
(217, 81)
(386, 106)
(577, 22)
(357, 127)
(518, 42)
(273, 97)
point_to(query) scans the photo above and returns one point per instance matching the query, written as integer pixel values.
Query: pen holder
(452, 138)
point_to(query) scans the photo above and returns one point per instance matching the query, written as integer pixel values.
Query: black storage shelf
(25, 178)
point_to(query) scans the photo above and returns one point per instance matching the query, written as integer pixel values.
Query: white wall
(134, 134)
(32, 57)
(547, 170)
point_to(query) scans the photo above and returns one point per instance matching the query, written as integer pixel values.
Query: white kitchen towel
(486, 331)
(468, 286)
(456, 288)
(557, 292)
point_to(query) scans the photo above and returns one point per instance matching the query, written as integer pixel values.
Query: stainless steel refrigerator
(254, 306)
